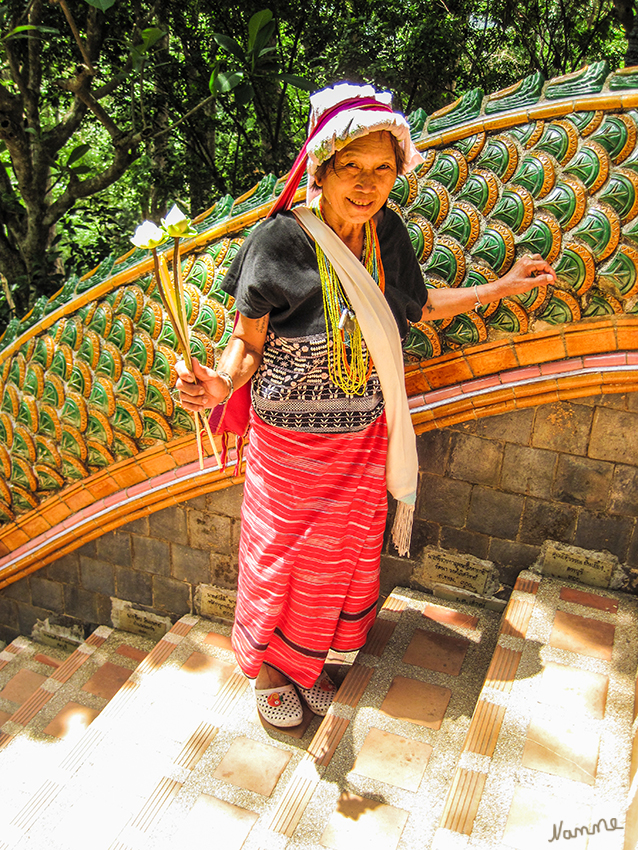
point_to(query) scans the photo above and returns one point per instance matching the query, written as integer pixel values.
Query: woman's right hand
(201, 389)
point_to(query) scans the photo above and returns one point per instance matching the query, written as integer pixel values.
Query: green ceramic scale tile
(497, 157)
(131, 303)
(72, 334)
(449, 169)
(536, 174)
(428, 204)
(157, 397)
(21, 501)
(141, 352)
(589, 80)
(161, 367)
(458, 226)
(591, 165)
(471, 146)
(572, 271)
(47, 452)
(43, 351)
(23, 446)
(182, 421)
(555, 140)
(48, 478)
(613, 135)
(421, 237)
(515, 208)
(96, 429)
(62, 363)
(538, 239)
(127, 420)
(150, 321)
(100, 398)
(110, 362)
(6, 431)
(480, 190)
(418, 344)
(198, 275)
(206, 320)
(602, 304)
(72, 443)
(400, 191)
(49, 424)
(219, 212)
(620, 193)
(121, 333)
(28, 414)
(524, 93)
(33, 380)
(523, 132)
(443, 263)
(465, 330)
(98, 457)
(74, 413)
(582, 120)
(17, 370)
(73, 469)
(559, 310)
(507, 320)
(620, 272)
(597, 231)
(53, 391)
(492, 249)
(464, 109)
(168, 336)
(155, 429)
(102, 319)
(89, 350)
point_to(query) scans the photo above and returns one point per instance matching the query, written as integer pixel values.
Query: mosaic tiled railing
(548, 167)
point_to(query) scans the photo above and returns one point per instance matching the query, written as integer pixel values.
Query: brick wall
(495, 488)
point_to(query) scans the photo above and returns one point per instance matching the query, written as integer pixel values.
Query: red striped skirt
(313, 519)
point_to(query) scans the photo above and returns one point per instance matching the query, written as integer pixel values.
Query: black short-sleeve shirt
(276, 272)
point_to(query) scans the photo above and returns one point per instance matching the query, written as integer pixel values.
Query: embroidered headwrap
(338, 116)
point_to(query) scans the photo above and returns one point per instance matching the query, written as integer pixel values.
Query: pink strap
(284, 201)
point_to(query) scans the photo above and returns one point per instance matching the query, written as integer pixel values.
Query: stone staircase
(454, 727)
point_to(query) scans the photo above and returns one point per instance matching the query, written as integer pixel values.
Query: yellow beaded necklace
(349, 364)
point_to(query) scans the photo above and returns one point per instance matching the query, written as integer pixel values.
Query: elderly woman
(315, 501)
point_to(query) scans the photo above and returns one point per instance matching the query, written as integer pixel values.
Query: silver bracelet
(231, 386)
(479, 303)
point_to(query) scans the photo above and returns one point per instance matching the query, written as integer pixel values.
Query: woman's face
(361, 180)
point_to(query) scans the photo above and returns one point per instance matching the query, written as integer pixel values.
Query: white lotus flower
(148, 236)
(176, 223)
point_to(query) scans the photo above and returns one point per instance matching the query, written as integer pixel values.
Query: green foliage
(196, 100)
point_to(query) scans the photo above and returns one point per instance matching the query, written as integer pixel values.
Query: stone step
(24, 666)
(56, 709)
(438, 738)
(547, 754)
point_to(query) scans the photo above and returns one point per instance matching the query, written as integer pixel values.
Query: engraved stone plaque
(463, 571)
(583, 565)
(211, 601)
(137, 621)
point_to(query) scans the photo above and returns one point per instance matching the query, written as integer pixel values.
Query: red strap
(285, 199)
